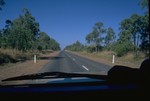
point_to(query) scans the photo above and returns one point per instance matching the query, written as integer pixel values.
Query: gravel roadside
(27, 67)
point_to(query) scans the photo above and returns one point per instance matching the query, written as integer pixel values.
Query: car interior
(121, 83)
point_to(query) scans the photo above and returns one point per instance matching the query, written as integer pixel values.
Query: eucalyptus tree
(95, 37)
(24, 30)
(110, 38)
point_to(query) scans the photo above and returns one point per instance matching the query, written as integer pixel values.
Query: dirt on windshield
(26, 67)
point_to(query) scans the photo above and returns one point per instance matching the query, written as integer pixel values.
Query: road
(69, 62)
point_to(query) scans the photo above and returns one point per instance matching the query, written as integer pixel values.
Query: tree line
(23, 34)
(133, 36)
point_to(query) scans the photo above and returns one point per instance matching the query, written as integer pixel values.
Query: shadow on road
(50, 58)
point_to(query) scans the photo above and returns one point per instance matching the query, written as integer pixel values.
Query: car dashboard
(70, 88)
(121, 83)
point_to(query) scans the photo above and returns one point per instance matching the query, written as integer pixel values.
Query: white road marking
(66, 54)
(85, 68)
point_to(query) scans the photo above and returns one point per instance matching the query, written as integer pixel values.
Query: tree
(144, 4)
(145, 32)
(134, 25)
(95, 37)
(110, 38)
(138, 28)
(23, 31)
(20, 33)
(44, 42)
(54, 45)
(123, 44)
(134, 33)
(77, 46)
(5, 33)
(145, 35)
(23, 34)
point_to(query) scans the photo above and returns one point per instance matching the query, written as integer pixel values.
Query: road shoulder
(27, 67)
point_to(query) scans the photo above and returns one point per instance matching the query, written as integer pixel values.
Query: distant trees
(77, 46)
(23, 34)
(134, 36)
(44, 42)
(54, 45)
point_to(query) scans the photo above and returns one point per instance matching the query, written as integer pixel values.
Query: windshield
(72, 36)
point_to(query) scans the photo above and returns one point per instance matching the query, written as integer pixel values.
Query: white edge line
(85, 68)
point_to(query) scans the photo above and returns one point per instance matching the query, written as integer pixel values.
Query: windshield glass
(72, 36)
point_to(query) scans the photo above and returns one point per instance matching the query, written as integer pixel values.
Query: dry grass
(11, 52)
(98, 57)
(26, 67)
(129, 60)
(106, 58)
(13, 55)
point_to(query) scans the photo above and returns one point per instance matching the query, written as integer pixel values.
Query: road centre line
(85, 67)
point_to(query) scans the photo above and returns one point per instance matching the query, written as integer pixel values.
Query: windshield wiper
(49, 75)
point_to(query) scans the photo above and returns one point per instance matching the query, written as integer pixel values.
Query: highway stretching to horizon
(70, 63)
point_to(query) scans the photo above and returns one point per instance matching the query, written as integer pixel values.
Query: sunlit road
(68, 62)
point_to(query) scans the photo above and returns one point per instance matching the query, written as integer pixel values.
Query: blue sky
(70, 20)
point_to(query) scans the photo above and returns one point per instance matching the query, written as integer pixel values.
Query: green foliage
(39, 48)
(77, 46)
(136, 30)
(23, 34)
(54, 45)
(20, 33)
(124, 42)
(44, 42)
(134, 36)
(145, 35)
(91, 49)
(122, 47)
(110, 38)
(95, 37)
(144, 4)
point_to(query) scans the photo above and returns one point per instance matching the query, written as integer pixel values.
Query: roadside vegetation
(21, 38)
(130, 45)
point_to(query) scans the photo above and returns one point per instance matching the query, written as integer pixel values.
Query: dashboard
(121, 83)
(80, 88)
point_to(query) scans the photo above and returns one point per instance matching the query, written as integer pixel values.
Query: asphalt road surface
(71, 63)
